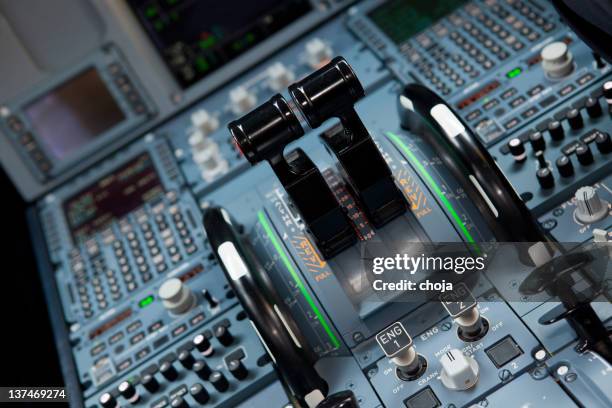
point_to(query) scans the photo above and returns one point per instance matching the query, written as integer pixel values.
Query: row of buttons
(531, 15)
(490, 131)
(125, 85)
(136, 336)
(133, 253)
(185, 356)
(29, 143)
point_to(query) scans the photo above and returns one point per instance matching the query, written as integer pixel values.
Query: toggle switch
(459, 372)
(462, 307)
(397, 345)
(210, 299)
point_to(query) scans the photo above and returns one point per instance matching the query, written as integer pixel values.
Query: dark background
(28, 351)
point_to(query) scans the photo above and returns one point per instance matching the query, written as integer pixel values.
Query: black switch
(574, 118)
(179, 402)
(604, 143)
(168, 371)
(593, 107)
(224, 336)
(565, 166)
(199, 393)
(504, 351)
(202, 369)
(218, 380)
(555, 128)
(545, 178)
(238, 370)
(149, 382)
(186, 359)
(584, 155)
(537, 141)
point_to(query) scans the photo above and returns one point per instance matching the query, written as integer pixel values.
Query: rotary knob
(556, 130)
(128, 391)
(168, 371)
(590, 207)
(218, 380)
(604, 143)
(584, 155)
(557, 60)
(565, 166)
(607, 92)
(537, 141)
(186, 359)
(108, 401)
(149, 383)
(199, 393)
(517, 149)
(574, 118)
(238, 370)
(176, 296)
(459, 372)
(593, 107)
(224, 336)
(545, 178)
(202, 369)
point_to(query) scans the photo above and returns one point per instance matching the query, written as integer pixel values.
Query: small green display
(145, 302)
(514, 72)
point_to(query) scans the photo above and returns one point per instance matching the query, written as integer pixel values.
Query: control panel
(219, 254)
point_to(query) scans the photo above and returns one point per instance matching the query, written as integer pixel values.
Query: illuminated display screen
(73, 114)
(401, 19)
(112, 197)
(196, 37)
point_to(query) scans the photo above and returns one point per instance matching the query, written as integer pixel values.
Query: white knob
(242, 100)
(589, 207)
(317, 52)
(279, 76)
(176, 296)
(459, 372)
(557, 61)
(204, 122)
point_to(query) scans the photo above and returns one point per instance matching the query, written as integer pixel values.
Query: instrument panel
(129, 153)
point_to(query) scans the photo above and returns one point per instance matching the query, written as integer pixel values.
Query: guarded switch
(459, 372)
